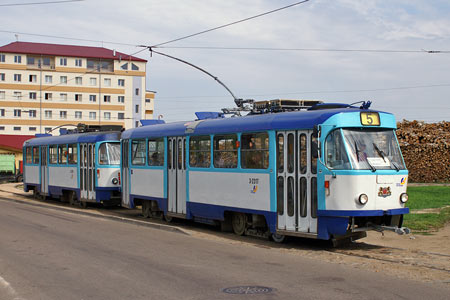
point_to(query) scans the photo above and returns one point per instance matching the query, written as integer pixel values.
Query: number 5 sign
(370, 119)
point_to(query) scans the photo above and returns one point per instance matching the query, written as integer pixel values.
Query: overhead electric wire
(229, 24)
(40, 3)
(306, 49)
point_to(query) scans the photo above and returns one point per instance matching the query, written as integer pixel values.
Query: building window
(48, 96)
(92, 98)
(2, 112)
(106, 98)
(32, 128)
(63, 114)
(2, 95)
(92, 115)
(121, 82)
(2, 128)
(17, 113)
(78, 62)
(48, 79)
(18, 95)
(63, 79)
(33, 95)
(93, 81)
(2, 76)
(136, 109)
(63, 61)
(78, 97)
(120, 116)
(32, 113)
(17, 77)
(124, 66)
(107, 82)
(30, 60)
(136, 92)
(134, 67)
(33, 78)
(17, 128)
(63, 96)
(47, 129)
(78, 80)
(48, 115)
(107, 116)
(121, 99)
(17, 59)
(2, 57)
(78, 115)
(147, 100)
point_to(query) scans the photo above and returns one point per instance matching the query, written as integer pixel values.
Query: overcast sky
(410, 85)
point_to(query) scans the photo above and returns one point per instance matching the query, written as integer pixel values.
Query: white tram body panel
(350, 187)
(63, 177)
(31, 174)
(147, 182)
(241, 190)
(105, 176)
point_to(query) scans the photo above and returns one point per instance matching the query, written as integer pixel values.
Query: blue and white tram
(325, 173)
(77, 167)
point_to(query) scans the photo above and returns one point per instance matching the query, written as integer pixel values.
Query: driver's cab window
(335, 154)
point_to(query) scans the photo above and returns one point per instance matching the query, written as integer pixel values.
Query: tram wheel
(146, 208)
(278, 238)
(168, 218)
(35, 194)
(239, 223)
(72, 198)
(83, 204)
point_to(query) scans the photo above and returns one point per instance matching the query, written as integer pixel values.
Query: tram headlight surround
(404, 198)
(363, 199)
(115, 181)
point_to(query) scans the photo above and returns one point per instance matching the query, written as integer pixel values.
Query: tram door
(176, 169)
(124, 174)
(44, 170)
(87, 172)
(296, 181)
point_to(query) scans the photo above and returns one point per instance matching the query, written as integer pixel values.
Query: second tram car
(77, 167)
(328, 172)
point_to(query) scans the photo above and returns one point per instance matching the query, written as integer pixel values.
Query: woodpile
(426, 150)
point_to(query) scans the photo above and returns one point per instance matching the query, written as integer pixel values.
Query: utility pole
(40, 94)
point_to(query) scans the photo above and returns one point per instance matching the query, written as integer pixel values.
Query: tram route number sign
(370, 119)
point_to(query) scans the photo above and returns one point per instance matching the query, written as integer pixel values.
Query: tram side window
(53, 150)
(138, 152)
(156, 152)
(255, 151)
(73, 154)
(36, 155)
(225, 151)
(335, 154)
(62, 154)
(200, 151)
(28, 155)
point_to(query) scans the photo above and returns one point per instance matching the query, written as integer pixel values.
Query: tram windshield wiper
(393, 163)
(379, 152)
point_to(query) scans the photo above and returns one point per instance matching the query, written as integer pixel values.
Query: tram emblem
(254, 190)
(384, 192)
(402, 182)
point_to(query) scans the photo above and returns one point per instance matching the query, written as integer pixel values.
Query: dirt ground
(417, 257)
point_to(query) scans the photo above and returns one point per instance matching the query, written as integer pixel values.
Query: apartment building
(43, 86)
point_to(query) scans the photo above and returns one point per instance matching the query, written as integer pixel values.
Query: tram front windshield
(109, 154)
(363, 149)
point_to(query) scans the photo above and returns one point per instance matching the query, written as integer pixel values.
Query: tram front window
(109, 154)
(363, 149)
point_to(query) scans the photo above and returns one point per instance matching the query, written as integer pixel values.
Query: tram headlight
(363, 198)
(115, 181)
(404, 198)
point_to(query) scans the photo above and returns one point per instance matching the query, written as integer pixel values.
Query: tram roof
(89, 137)
(250, 123)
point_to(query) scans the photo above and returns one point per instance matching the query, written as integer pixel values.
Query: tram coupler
(397, 230)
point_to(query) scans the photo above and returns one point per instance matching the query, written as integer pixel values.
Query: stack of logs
(426, 150)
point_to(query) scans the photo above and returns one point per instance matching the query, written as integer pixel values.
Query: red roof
(14, 141)
(66, 50)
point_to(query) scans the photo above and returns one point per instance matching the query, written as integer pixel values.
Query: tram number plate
(370, 119)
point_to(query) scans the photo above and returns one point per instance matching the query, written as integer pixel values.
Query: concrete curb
(90, 214)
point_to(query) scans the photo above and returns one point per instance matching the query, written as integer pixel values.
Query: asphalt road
(49, 254)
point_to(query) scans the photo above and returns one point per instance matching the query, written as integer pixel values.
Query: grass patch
(427, 222)
(422, 197)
